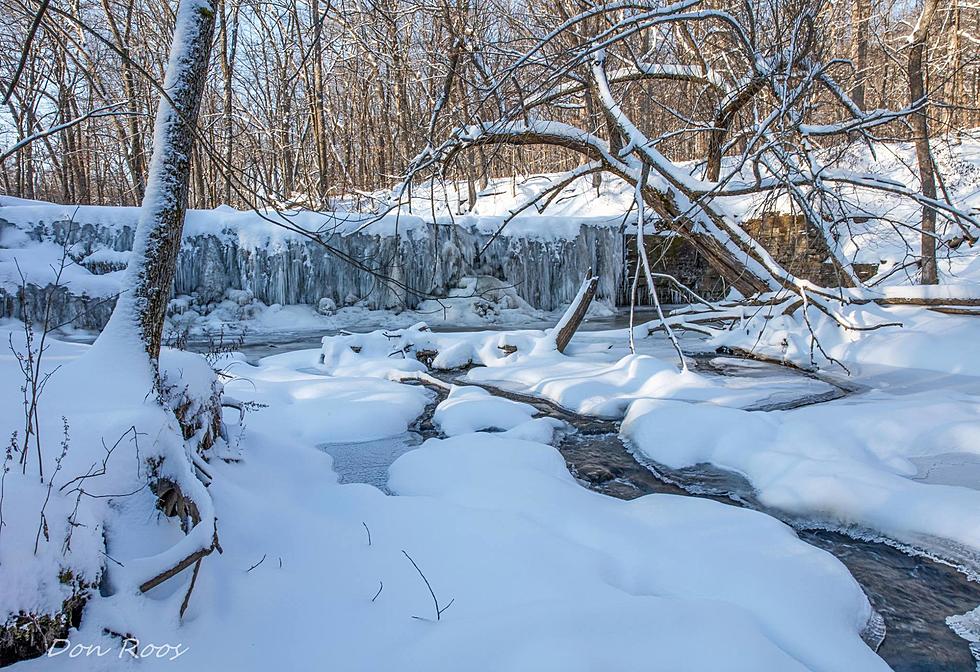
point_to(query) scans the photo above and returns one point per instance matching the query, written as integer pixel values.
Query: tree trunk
(318, 102)
(150, 274)
(920, 129)
(860, 17)
(229, 47)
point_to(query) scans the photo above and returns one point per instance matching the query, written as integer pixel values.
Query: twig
(256, 564)
(25, 50)
(112, 558)
(435, 599)
(190, 588)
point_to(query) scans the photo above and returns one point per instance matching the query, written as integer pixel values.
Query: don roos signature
(129, 648)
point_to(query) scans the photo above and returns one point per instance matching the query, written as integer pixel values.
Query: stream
(912, 594)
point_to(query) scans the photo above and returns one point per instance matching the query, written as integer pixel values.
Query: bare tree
(777, 108)
(860, 20)
(918, 99)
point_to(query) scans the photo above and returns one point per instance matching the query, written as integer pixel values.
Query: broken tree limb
(176, 569)
(572, 319)
(173, 502)
(190, 588)
(953, 310)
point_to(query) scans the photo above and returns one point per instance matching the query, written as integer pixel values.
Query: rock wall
(796, 245)
(800, 248)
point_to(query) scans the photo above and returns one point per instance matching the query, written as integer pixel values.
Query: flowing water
(914, 595)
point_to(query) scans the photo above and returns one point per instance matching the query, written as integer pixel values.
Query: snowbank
(852, 463)
(472, 409)
(317, 573)
(101, 429)
(870, 461)
(906, 338)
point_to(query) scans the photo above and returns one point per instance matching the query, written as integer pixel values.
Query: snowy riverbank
(496, 524)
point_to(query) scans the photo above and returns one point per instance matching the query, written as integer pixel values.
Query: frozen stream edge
(965, 563)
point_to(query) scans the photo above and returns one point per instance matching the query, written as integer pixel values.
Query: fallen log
(922, 301)
(953, 310)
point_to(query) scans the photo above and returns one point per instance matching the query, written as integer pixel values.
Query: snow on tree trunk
(142, 307)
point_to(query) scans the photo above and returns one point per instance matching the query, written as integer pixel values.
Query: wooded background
(308, 101)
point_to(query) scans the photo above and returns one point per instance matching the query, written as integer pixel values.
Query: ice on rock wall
(225, 251)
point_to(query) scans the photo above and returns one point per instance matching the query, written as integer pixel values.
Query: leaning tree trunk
(132, 337)
(920, 129)
(150, 274)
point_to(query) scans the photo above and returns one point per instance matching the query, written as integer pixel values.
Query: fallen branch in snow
(439, 611)
(230, 402)
(920, 301)
(257, 563)
(810, 331)
(954, 310)
(742, 353)
(174, 503)
(419, 377)
(176, 569)
(190, 588)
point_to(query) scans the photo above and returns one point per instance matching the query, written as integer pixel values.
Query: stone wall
(671, 255)
(800, 248)
(796, 245)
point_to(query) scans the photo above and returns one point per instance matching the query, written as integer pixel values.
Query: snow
(847, 462)
(100, 403)
(471, 409)
(39, 263)
(511, 543)
(867, 473)
(311, 407)
(967, 626)
(603, 381)
(326, 498)
(491, 514)
(911, 342)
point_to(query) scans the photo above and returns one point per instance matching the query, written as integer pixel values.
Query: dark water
(913, 594)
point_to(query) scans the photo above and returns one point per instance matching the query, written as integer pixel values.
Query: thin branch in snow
(435, 600)
(256, 564)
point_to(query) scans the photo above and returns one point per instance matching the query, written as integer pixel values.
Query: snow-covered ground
(510, 542)
(477, 550)
(897, 456)
(531, 570)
